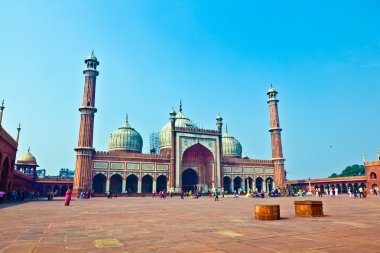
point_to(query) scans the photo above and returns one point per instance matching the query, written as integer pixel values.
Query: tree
(353, 170)
(349, 171)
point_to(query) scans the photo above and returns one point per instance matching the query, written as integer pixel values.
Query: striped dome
(231, 146)
(126, 138)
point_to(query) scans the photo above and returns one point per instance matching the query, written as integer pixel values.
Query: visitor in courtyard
(360, 192)
(182, 194)
(216, 195)
(68, 197)
(355, 193)
(336, 192)
(2, 194)
(262, 193)
(331, 192)
(376, 190)
(349, 192)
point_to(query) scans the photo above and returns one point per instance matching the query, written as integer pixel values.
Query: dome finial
(226, 128)
(126, 118)
(28, 149)
(180, 105)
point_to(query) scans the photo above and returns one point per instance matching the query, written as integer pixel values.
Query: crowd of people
(19, 195)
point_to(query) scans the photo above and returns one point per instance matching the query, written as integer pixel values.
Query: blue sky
(218, 56)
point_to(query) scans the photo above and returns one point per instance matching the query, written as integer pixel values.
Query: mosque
(189, 157)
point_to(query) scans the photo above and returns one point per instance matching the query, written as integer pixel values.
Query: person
(349, 192)
(336, 192)
(355, 193)
(182, 193)
(216, 195)
(331, 192)
(37, 195)
(235, 196)
(262, 193)
(68, 197)
(376, 190)
(360, 192)
(1, 196)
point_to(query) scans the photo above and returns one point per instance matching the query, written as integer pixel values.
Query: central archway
(189, 180)
(201, 158)
(99, 183)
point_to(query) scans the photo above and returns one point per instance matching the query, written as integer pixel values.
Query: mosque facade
(189, 157)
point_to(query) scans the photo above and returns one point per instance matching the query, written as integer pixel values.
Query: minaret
(85, 150)
(172, 174)
(219, 125)
(18, 132)
(275, 132)
(2, 107)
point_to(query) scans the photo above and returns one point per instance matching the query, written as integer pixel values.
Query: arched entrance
(63, 190)
(147, 184)
(131, 184)
(237, 183)
(198, 156)
(344, 188)
(116, 182)
(47, 190)
(189, 180)
(99, 183)
(4, 175)
(259, 184)
(161, 183)
(40, 189)
(227, 184)
(269, 183)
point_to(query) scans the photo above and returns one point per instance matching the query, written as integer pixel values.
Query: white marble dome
(231, 146)
(126, 138)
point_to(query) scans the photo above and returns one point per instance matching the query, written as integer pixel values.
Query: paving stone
(190, 225)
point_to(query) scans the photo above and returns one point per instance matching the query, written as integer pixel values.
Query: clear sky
(218, 56)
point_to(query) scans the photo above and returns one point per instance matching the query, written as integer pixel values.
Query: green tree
(353, 170)
(333, 175)
(349, 171)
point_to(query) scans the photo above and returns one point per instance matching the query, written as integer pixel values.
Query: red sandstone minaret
(275, 132)
(85, 150)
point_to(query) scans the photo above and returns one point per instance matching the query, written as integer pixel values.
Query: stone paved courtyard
(190, 225)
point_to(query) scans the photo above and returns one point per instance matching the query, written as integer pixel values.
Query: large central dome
(164, 138)
(126, 138)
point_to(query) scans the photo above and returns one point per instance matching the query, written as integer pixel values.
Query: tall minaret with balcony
(85, 149)
(275, 132)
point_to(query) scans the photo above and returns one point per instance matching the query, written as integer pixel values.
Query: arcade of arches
(248, 184)
(131, 184)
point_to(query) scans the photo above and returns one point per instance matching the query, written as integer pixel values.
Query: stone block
(267, 212)
(308, 208)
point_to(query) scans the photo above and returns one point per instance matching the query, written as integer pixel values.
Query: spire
(363, 157)
(29, 149)
(126, 121)
(226, 129)
(1, 111)
(18, 132)
(180, 105)
(378, 154)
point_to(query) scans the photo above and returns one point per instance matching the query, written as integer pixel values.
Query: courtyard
(137, 224)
